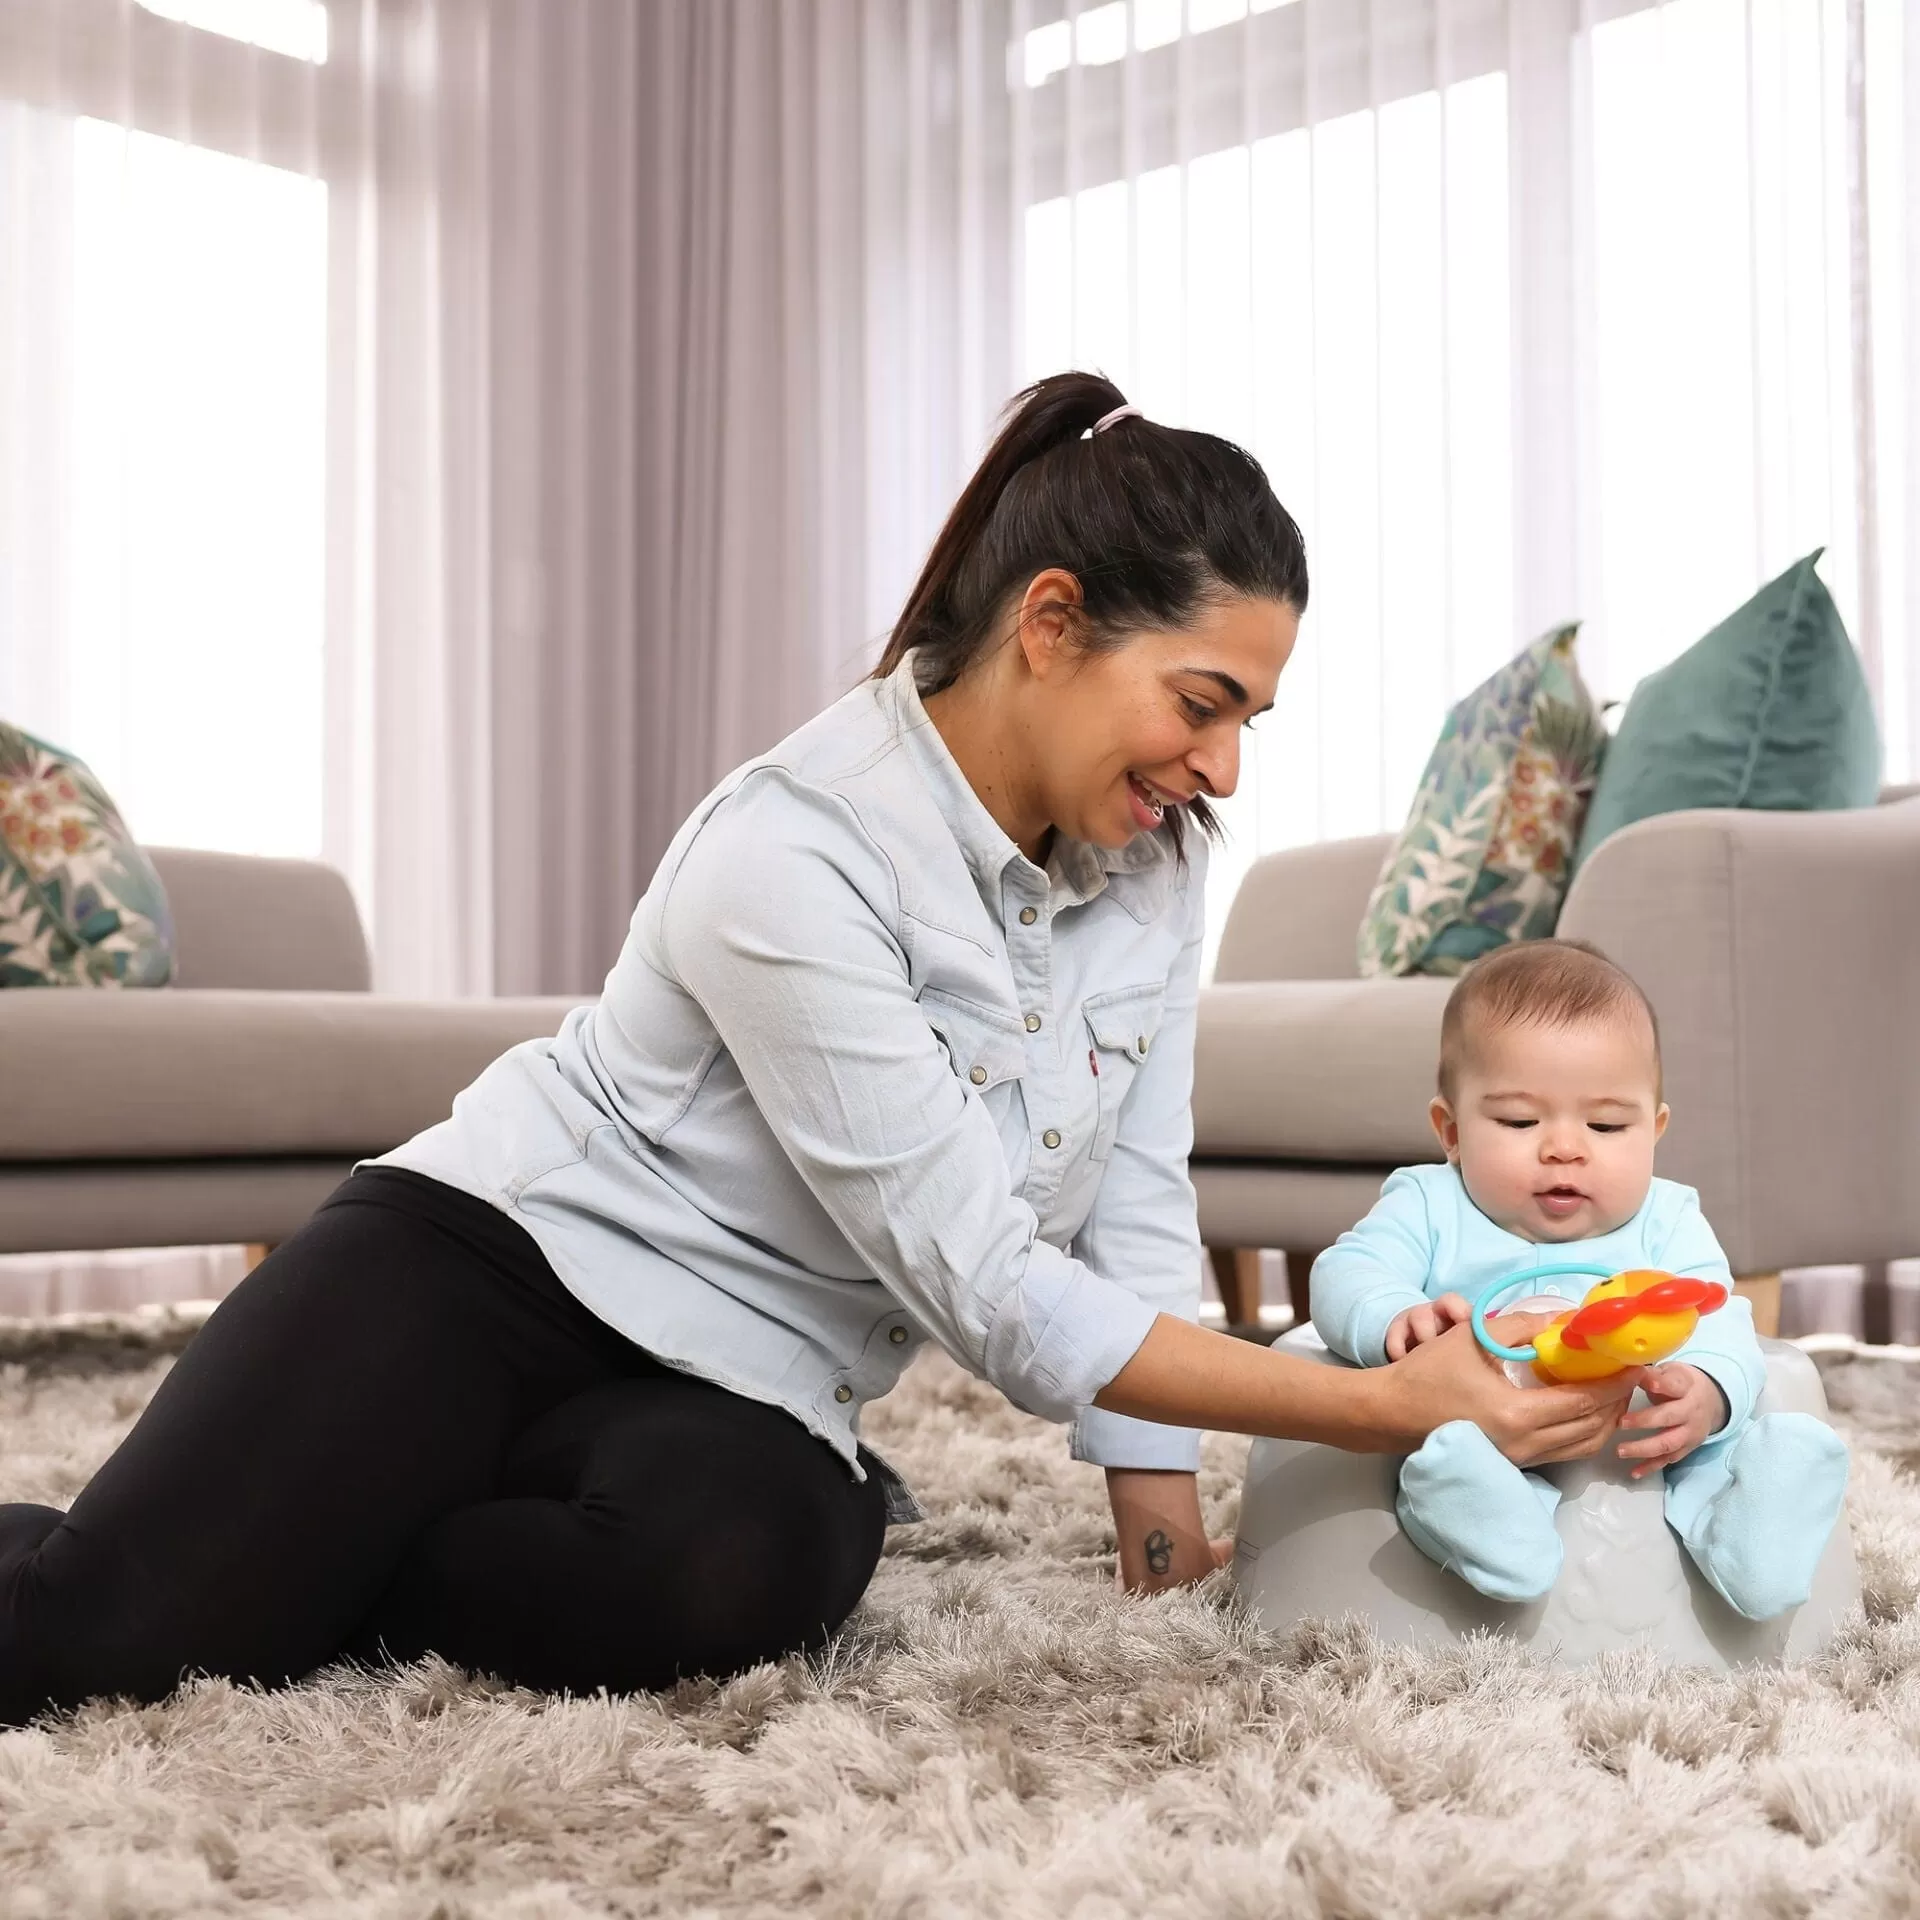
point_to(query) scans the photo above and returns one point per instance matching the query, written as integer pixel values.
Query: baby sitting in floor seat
(1549, 1108)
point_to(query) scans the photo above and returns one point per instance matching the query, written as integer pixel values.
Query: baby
(1549, 1108)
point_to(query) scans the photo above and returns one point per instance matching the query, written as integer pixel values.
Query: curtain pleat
(743, 456)
(1904, 549)
(1860, 345)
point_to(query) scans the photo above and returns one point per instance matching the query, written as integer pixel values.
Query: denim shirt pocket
(1123, 1025)
(985, 1046)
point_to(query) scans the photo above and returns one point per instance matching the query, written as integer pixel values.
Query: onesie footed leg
(1468, 1507)
(1756, 1518)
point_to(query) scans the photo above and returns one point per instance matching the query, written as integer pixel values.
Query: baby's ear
(1662, 1114)
(1445, 1127)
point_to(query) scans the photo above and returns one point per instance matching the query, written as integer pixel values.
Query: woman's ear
(1445, 1127)
(1046, 620)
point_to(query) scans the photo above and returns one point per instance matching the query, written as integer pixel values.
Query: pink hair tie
(1114, 418)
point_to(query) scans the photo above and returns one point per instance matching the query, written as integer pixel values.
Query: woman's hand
(1455, 1378)
(1156, 1522)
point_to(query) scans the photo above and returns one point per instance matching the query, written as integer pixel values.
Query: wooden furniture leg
(1876, 1304)
(256, 1251)
(1762, 1291)
(1299, 1270)
(1236, 1272)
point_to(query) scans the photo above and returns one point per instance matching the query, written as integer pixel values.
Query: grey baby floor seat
(1318, 1536)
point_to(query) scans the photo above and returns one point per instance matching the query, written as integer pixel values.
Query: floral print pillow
(1486, 854)
(80, 904)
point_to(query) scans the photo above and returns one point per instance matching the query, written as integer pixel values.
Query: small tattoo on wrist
(1159, 1552)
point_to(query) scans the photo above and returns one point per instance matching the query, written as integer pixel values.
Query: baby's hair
(1547, 983)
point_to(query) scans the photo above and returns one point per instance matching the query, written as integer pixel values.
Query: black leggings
(401, 1434)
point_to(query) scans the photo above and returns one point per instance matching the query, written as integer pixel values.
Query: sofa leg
(1236, 1272)
(1299, 1270)
(1762, 1292)
(256, 1251)
(1876, 1305)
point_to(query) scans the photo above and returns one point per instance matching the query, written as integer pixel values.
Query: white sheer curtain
(445, 435)
(163, 242)
(242, 261)
(753, 315)
(1533, 308)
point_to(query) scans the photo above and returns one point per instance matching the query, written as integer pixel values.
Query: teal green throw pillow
(1770, 710)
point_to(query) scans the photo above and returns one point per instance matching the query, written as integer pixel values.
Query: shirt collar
(1076, 871)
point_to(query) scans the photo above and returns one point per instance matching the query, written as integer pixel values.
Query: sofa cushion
(1770, 710)
(1294, 913)
(241, 920)
(1337, 1070)
(80, 904)
(1486, 852)
(186, 1074)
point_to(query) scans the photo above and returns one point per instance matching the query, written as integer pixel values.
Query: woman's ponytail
(1048, 414)
(1154, 522)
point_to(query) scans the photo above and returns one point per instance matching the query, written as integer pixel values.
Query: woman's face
(1120, 735)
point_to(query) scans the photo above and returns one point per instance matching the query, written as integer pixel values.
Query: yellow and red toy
(1633, 1319)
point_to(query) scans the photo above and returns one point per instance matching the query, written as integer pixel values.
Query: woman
(899, 1048)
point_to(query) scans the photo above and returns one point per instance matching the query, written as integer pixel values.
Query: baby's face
(1553, 1128)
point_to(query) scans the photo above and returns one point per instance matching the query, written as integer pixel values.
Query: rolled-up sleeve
(1143, 1232)
(779, 919)
(1374, 1271)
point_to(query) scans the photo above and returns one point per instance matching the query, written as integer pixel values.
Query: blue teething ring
(1483, 1302)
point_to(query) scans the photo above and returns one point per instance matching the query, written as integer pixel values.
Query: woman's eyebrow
(1228, 684)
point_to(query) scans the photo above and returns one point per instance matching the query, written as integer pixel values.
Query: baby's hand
(1685, 1407)
(1428, 1321)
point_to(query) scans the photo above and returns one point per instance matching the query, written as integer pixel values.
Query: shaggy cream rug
(996, 1733)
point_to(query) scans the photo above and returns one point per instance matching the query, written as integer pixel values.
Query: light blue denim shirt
(863, 1076)
(1425, 1237)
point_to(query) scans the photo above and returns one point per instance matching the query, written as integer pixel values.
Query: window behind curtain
(162, 546)
(1724, 376)
(1334, 298)
(1337, 295)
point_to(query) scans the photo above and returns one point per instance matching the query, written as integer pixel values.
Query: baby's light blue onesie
(1753, 1505)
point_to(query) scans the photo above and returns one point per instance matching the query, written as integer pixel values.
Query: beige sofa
(225, 1108)
(1780, 950)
